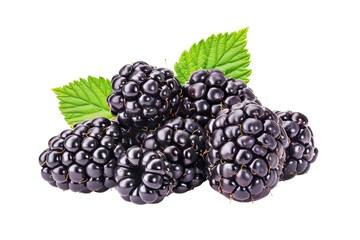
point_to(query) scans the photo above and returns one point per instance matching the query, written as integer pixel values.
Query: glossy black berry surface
(245, 151)
(209, 91)
(143, 95)
(301, 152)
(183, 143)
(83, 159)
(143, 176)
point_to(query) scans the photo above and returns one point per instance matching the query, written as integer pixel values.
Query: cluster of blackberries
(166, 138)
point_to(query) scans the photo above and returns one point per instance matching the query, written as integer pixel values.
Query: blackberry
(143, 176)
(183, 142)
(143, 95)
(83, 159)
(209, 91)
(245, 151)
(301, 151)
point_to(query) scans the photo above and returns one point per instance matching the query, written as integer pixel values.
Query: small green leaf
(84, 99)
(225, 52)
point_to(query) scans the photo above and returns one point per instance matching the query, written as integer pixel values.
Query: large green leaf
(84, 99)
(225, 52)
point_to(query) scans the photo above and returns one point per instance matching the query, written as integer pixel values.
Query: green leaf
(84, 99)
(225, 52)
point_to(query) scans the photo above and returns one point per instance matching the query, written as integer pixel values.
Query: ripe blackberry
(143, 95)
(143, 176)
(245, 149)
(301, 151)
(183, 143)
(83, 159)
(209, 91)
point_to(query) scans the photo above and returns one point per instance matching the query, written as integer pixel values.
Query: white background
(305, 57)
